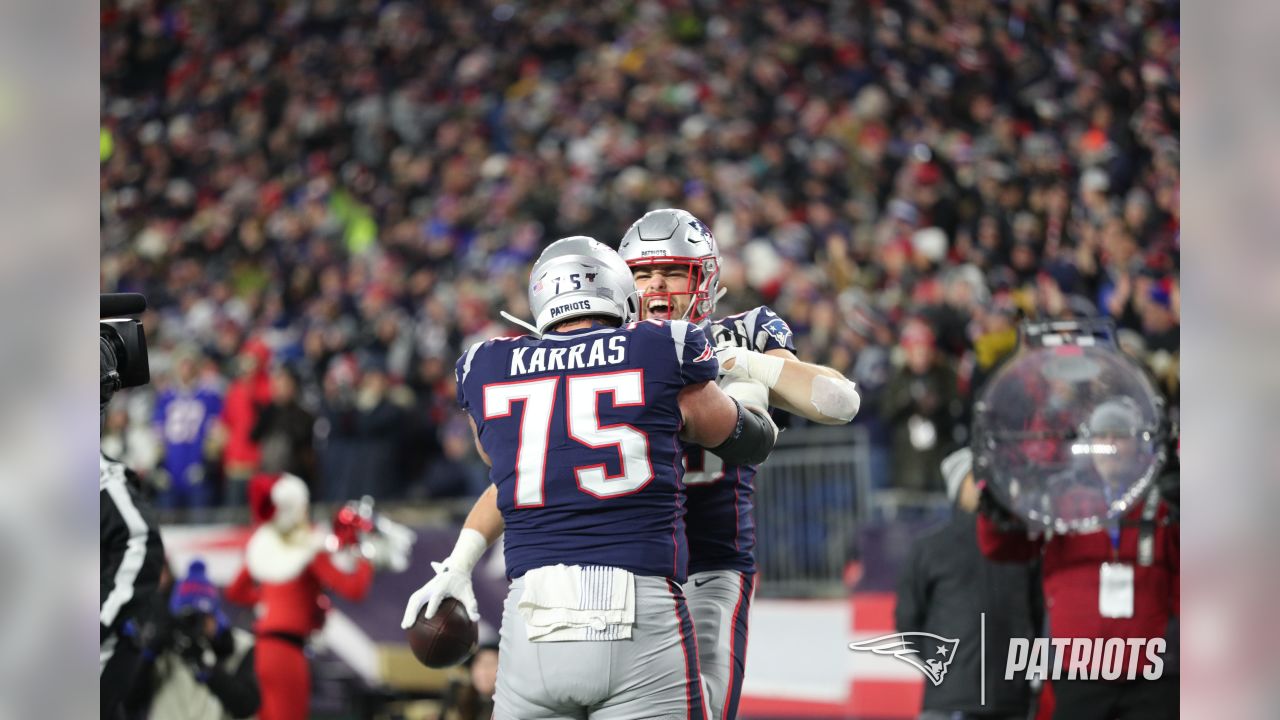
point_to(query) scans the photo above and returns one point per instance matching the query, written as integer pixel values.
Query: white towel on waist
(573, 602)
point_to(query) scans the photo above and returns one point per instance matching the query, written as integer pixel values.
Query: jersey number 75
(582, 396)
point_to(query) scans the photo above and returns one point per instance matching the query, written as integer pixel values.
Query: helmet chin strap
(522, 323)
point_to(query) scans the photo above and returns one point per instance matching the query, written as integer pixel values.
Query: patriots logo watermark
(926, 652)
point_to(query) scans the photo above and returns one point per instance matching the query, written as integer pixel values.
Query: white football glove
(453, 579)
(448, 582)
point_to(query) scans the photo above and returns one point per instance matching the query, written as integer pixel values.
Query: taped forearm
(835, 398)
(752, 439)
(815, 392)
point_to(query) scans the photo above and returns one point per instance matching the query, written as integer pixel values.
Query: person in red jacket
(286, 574)
(1117, 582)
(246, 397)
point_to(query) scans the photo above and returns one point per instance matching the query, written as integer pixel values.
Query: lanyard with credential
(1146, 529)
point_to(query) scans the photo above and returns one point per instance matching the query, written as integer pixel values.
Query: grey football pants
(654, 675)
(720, 601)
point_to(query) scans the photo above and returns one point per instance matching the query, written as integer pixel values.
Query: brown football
(445, 640)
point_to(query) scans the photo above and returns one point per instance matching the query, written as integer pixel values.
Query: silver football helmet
(578, 276)
(671, 236)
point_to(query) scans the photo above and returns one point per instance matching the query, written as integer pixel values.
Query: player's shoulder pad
(650, 331)
(768, 330)
(685, 338)
(479, 349)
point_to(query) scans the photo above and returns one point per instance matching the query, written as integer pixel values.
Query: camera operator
(1118, 582)
(131, 553)
(195, 664)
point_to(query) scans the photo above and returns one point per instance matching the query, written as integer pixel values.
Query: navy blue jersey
(582, 431)
(722, 529)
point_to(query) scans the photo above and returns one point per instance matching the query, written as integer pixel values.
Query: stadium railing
(812, 497)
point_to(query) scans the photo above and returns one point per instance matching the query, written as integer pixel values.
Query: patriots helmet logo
(930, 654)
(701, 228)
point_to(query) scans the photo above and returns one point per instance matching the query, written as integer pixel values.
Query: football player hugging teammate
(676, 264)
(583, 423)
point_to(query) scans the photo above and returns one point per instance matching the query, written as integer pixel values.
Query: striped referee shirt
(132, 555)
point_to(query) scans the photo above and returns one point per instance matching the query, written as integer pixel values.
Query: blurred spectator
(944, 588)
(473, 699)
(451, 476)
(185, 414)
(271, 177)
(248, 394)
(285, 430)
(197, 664)
(363, 433)
(920, 408)
(1117, 582)
(995, 331)
(127, 435)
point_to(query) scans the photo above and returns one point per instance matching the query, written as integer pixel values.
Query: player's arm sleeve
(352, 586)
(135, 557)
(913, 597)
(475, 435)
(462, 372)
(695, 357)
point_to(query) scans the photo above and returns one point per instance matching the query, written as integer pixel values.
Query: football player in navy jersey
(583, 427)
(676, 265)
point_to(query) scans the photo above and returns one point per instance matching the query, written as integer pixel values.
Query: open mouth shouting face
(664, 291)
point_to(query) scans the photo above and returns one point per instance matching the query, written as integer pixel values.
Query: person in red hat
(287, 572)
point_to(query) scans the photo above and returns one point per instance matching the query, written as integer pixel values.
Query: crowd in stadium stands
(326, 201)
